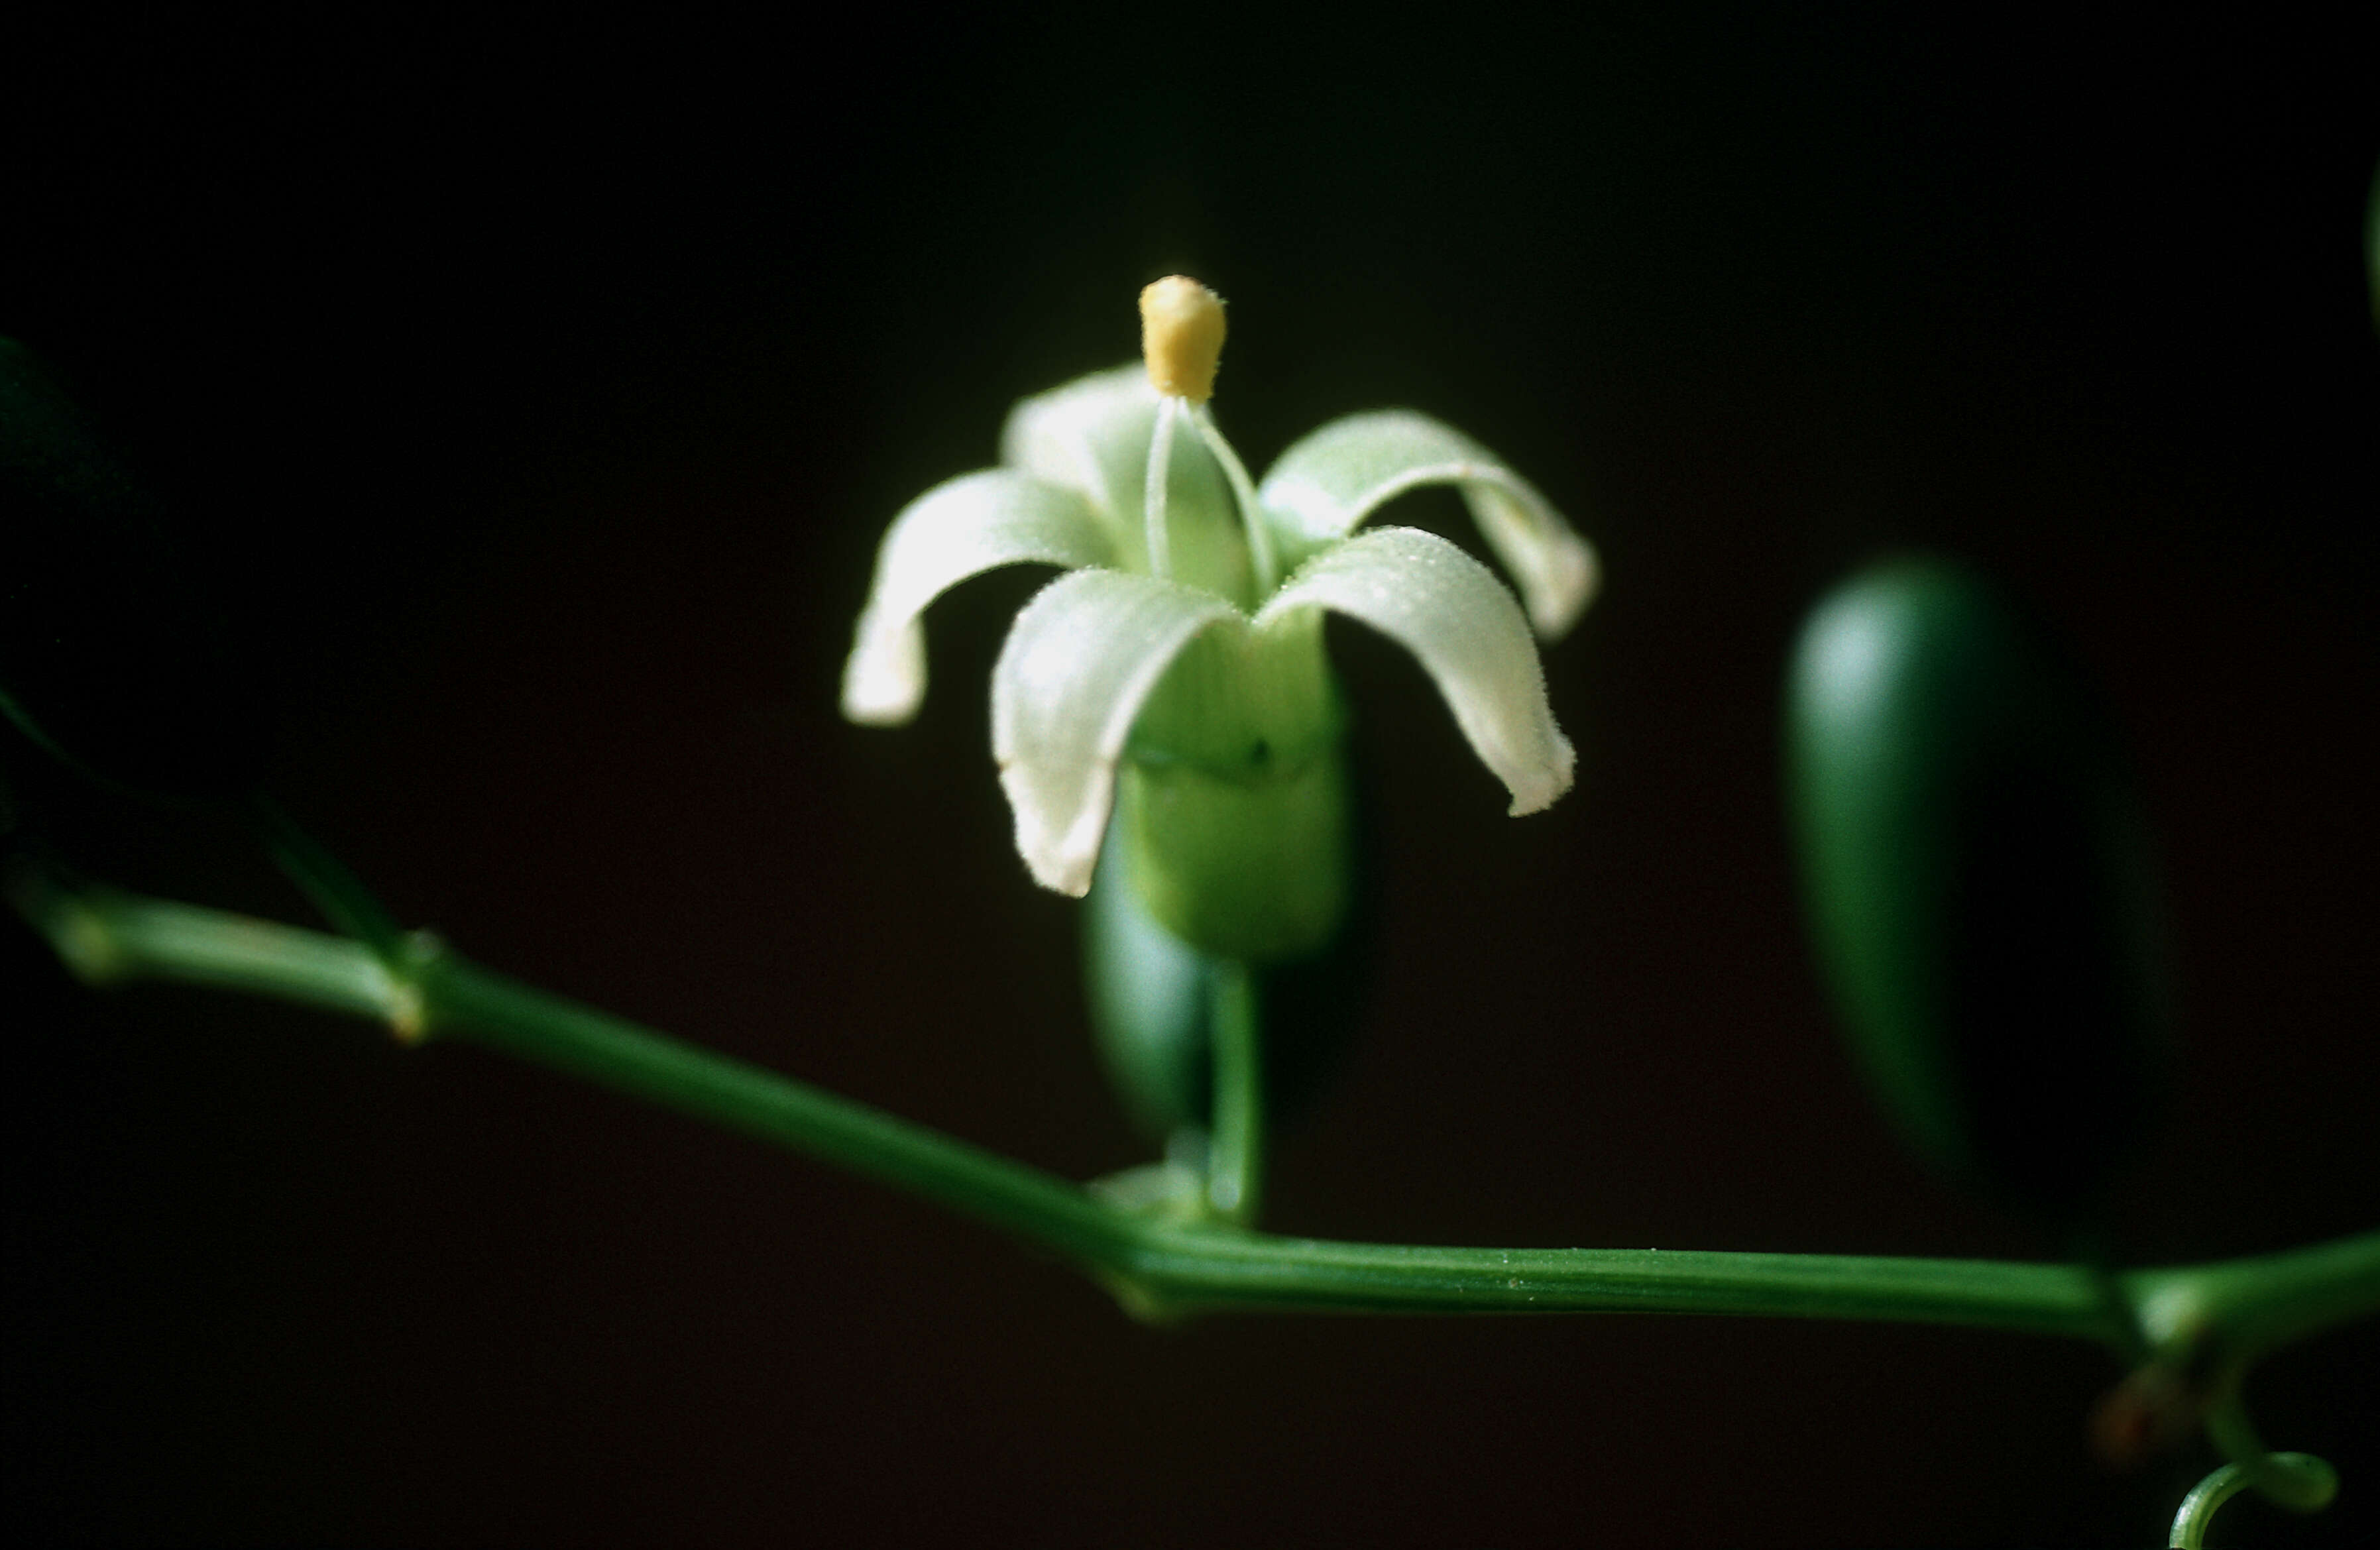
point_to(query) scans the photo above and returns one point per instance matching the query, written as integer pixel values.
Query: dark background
(535, 396)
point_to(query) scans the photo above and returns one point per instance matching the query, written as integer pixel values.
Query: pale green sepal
(966, 527)
(1324, 488)
(1446, 609)
(1084, 656)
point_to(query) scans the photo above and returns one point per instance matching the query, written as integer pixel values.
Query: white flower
(1185, 642)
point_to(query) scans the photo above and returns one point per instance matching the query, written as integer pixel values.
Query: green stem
(506, 1015)
(1235, 1153)
(1172, 1268)
(2090, 1253)
(2226, 1314)
(107, 938)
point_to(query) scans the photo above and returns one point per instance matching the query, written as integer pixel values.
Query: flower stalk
(1166, 1267)
(1236, 1151)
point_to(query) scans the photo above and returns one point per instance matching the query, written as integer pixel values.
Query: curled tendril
(2298, 1481)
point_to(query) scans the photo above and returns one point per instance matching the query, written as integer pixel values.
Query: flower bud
(1975, 865)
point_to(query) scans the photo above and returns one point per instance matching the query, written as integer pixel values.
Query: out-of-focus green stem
(2228, 1312)
(105, 938)
(1170, 1268)
(1236, 1151)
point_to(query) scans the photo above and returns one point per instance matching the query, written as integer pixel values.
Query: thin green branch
(504, 1015)
(106, 938)
(1165, 1267)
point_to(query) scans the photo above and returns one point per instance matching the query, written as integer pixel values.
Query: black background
(538, 393)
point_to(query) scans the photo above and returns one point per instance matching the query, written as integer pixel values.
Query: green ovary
(1233, 796)
(1252, 869)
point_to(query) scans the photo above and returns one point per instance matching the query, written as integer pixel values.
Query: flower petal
(1092, 435)
(961, 529)
(1446, 609)
(1325, 486)
(1081, 660)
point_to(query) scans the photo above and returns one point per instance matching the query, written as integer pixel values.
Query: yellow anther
(1182, 336)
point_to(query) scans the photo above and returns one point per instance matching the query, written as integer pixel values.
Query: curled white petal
(1446, 609)
(964, 528)
(1325, 487)
(1092, 435)
(1081, 660)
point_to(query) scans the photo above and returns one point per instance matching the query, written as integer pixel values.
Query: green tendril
(2311, 1486)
